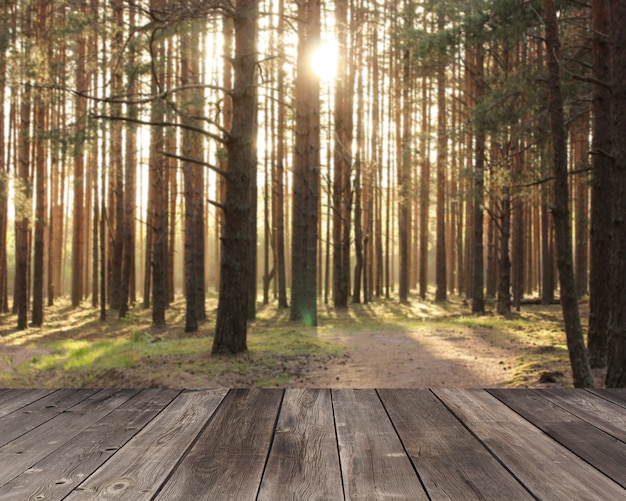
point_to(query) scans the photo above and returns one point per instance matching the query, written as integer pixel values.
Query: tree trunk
(232, 313)
(575, 342)
(504, 263)
(404, 178)
(79, 172)
(601, 190)
(306, 169)
(22, 220)
(441, 293)
(616, 362)
(478, 272)
(342, 196)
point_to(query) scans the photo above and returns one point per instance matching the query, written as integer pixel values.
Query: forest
(312, 153)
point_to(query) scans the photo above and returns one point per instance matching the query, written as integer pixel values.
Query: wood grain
(599, 412)
(545, 467)
(30, 416)
(303, 462)
(373, 461)
(55, 476)
(22, 453)
(451, 462)
(602, 450)
(11, 400)
(227, 460)
(138, 470)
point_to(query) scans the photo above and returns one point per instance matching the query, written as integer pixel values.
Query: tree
(478, 294)
(232, 313)
(441, 293)
(616, 362)
(601, 189)
(342, 189)
(560, 212)
(306, 169)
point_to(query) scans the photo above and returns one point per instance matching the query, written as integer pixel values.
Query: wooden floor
(312, 444)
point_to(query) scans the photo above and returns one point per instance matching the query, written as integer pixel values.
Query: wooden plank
(374, 463)
(13, 400)
(451, 462)
(56, 475)
(615, 395)
(598, 448)
(598, 411)
(545, 467)
(21, 454)
(30, 416)
(303, 461)
(227, 460)
(139, 468)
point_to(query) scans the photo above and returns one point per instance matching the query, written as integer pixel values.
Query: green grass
(76, 349)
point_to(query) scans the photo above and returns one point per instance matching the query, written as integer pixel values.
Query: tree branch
(219, 171)
(162, 124)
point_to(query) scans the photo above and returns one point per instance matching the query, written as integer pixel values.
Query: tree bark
(232, 312)
(601, 190)
(575, 341)
(342, 194)
(616, 362)
(441, 293)
(478, 268)
(306, 170)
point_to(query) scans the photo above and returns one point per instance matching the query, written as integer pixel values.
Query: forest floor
(381, 344)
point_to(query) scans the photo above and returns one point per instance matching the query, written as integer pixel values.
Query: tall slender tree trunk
(306, 169)
(40, 152)
(22, 220)
(560, 212)
(404, 176)
(232, 312)
(342, 190)
(478, 268)
(441, 293)
(616, 362)
(4, 189)
(278, 182)
(601, 190)
(79, 170)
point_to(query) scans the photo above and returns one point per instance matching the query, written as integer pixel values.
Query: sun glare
(324, 60)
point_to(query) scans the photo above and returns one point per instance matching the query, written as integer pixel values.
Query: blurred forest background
(307, 153)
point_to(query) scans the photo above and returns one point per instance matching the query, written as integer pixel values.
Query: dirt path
(418, 357)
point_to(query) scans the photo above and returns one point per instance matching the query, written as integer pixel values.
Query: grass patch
(76, 349)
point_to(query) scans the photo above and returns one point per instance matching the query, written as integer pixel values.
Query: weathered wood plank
(22, 453)
(373, 461)
(546, 468)
(139, 468)
(227, 460)
(598, 411)
(38, 412)
(451, 462)
(15, 399)
(596, 447)
(56, 475)
(615, 395)
(303, 461)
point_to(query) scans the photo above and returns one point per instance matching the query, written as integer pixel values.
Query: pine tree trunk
(478, 268)
(79, 172)
(306, 170)
(616, 362)
(601, 190)
(441, 293)
(575, 342)
(342, 198)
(231, 326)
(22, 223)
